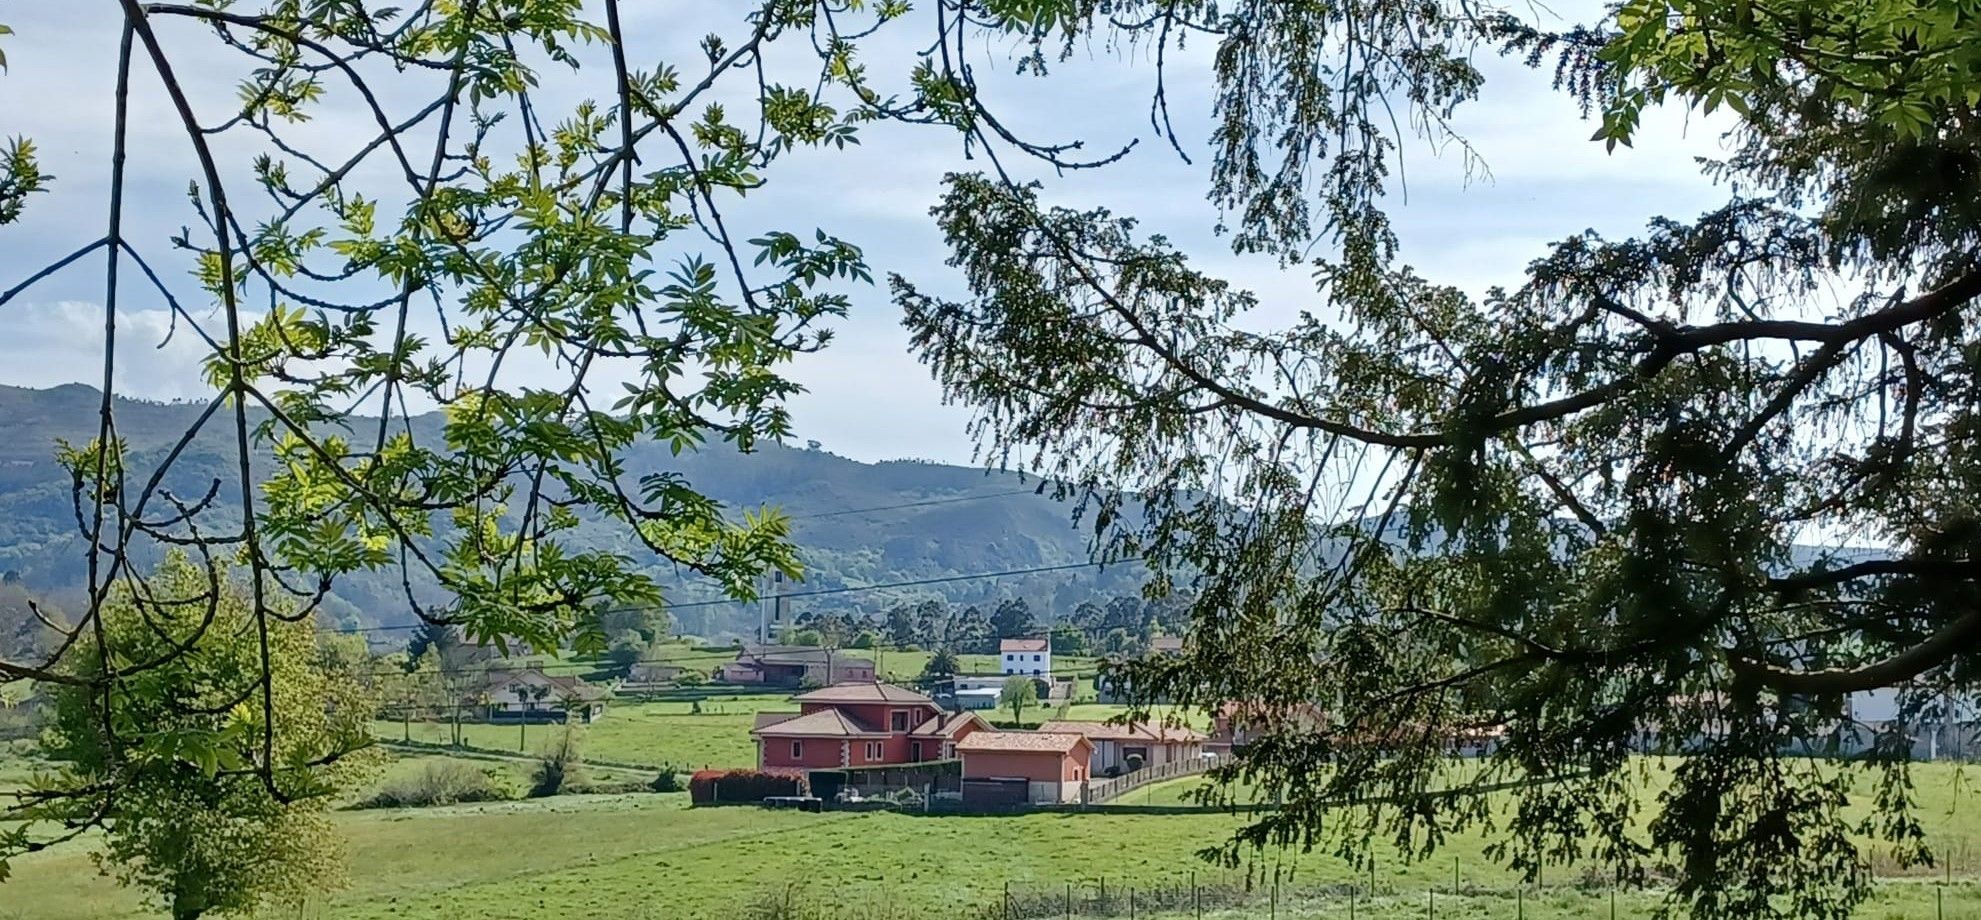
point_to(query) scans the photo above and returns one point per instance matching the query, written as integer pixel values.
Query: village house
(1030, 657)
(793, 666)
(1166, 645)
(530, 695)
(1024, 768)
(1126, 747)
(1237, 723)
(860, 724)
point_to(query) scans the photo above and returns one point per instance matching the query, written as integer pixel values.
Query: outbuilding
(1037, 768)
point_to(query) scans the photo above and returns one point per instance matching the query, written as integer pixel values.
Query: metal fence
(1102, 790)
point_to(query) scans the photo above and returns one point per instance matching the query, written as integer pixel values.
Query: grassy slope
(612, 858)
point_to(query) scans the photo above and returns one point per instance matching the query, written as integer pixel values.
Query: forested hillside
(856, 523)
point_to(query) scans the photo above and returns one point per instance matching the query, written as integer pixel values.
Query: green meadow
(651, 856)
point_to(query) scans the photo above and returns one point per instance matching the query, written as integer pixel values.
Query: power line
(920, 504)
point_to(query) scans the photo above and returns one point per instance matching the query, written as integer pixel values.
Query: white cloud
(869, 398)
(62, 342)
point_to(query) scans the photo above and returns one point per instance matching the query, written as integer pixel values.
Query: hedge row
(707, 787)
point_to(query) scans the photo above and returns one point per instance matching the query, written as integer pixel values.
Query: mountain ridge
(855, 523)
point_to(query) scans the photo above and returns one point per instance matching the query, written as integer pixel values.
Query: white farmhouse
(1030, 657)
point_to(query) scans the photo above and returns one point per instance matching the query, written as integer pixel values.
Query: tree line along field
(651, 856)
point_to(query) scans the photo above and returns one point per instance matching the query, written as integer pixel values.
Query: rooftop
(864, 691)
(1021, 742)
(1022, 645)
(1128, 731)
(826, 723)
(564, 686)
(947, 724)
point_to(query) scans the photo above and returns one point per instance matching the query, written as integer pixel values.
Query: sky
(867, 396)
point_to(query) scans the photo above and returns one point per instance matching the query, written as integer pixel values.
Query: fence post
(1520, 903)
(1007, 899)
(1433, 909)
(1940, 903)
(1131, 903)
(1275, 897)
(1069, 901)
(1454, 876)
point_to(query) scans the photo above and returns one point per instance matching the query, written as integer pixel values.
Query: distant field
(642, 733)
(650, 857)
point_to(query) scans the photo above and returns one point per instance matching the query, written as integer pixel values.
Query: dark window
(1035, 657)
(900, 721)
(915, 751)
(797, 749)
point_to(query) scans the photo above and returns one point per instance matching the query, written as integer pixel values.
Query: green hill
(856, 523)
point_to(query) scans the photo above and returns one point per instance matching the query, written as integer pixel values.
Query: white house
(1030, 657)
(528, 694)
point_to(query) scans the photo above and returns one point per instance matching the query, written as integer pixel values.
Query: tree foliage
(1018, 694)
(1622, 497)
(211, 806)
(470, 238)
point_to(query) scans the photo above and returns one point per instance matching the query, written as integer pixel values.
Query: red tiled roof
(946, 725)
(1135, 731)
(1021, 742)
(826, 723)
(768, 719)
(864, 691)
(1022, 645)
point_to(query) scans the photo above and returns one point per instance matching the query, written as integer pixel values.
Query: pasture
(650, 856)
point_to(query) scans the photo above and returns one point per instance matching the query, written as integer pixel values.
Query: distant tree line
(1118, 625)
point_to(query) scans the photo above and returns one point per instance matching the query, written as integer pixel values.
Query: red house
(860, 724)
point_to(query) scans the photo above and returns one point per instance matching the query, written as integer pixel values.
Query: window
(898, 720)
(1035, 672)
(1035, 658)
(873, 750)
(915, 751)
(797, 749)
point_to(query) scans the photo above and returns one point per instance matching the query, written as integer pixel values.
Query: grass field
(650, 733)
(618, 857)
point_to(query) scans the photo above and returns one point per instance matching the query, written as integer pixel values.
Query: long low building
(1128, 746)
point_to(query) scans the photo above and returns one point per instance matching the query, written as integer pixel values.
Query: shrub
(445, 782)
(558, 767)
(667, 781)
(605, 787)
(627, 649)
(712, 786)
(1133, 762)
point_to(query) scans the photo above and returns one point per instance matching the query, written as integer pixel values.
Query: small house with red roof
(1021, 768)
(860, 724)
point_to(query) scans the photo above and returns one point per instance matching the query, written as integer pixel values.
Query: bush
(627, 650)
(748, 786)
(605, 787)
(667, 781)
(557, 768)
(445, 782)
(1133, 762)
